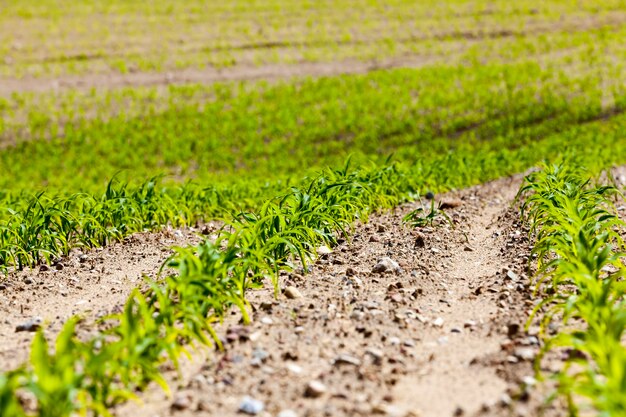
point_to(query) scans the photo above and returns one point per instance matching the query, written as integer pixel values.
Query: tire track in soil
(449, 384)
(426, 341)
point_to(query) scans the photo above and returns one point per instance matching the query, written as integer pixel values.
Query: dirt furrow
(449, 384)
(268, 72)
(426, 339)
(92, 283)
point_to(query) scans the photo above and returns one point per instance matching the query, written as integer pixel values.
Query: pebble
(344, 359)
(251, 406)
(181, 402)
(259, 356)
(31, 325)
(386, 410)
(512, 275)
(386, 264)
(292, 293)
(376, 354)
(315, 389)
(438, 322)
(287, 413)
(357, 315)
(469, 324)
(526, 354)
(324, 250)
(529, 381)
(456, 330)
(293, 368)
(394, 341)
(267, 320)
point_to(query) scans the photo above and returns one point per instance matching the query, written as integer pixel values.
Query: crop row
(36, 229)
(225, 132)
(45, 38)
(168, 317)
(581, 278)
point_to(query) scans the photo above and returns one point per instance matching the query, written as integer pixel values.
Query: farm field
(295, 208)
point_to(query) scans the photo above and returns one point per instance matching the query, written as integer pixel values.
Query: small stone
(450, 203)
(529, 381)
(456, 330)
(469, 324)
(59, 266)
(394, 341)
(438, 322)
(525, 354)
(386, 264)
(267, 320)
(429, 195)
(468, 248)
(385, 410)
(44, 268)
(324, 250)
(376, 354)
(181, 402)
(31, 325)
(287, 413)
(512, 275)
(344, 359)
(293, 368)
(505, 400)
(315, 389)
(266, 306)
(292, 293)
(251, 406)
(458, 412)
(357, 315)
(350, 272)
(260, 355)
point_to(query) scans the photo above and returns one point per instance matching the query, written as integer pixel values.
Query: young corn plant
(581, 273)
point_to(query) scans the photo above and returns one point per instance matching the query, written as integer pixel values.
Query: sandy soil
(91, 284)
(209, 75)
(441, 336)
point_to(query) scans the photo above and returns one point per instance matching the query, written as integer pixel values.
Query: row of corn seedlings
(46, 226)
(165, 319)
(580, 276)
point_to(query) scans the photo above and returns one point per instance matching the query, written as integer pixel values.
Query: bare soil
(92, 284)
(206, 76)
(443, 336)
